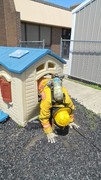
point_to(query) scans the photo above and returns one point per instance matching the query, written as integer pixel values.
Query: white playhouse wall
(31, 88)
(25, 105)
(15, 109)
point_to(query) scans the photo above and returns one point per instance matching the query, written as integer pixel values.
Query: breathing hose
(89, 142)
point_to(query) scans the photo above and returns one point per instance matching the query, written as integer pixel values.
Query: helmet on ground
(62, 117)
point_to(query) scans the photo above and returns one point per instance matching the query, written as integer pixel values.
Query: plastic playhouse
(20, 71)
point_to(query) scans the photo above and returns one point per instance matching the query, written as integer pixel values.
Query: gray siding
(86, 53)
(88, 22)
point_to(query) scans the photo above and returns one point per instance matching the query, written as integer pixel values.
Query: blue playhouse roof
(18, 59)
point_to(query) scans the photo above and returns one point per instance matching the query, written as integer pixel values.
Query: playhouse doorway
(41, 82)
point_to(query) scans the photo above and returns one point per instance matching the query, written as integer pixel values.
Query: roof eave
(82, 5)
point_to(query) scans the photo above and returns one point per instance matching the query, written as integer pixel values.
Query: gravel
(25, 153)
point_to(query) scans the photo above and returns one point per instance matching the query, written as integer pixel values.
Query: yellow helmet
(62, 117)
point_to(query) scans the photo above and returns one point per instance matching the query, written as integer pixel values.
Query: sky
(65, 3)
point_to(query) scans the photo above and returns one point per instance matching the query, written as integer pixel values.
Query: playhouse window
(5, 90)
(51, 65)
(39, 68)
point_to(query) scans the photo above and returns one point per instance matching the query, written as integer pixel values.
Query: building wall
(52, 19)
(86, 53)
(42, 13)
(3, 40)
(56, 36)
(9, 24)
(38, 32)
(88, 24)
(44, 22)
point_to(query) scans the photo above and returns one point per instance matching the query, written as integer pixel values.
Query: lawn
(92, 85)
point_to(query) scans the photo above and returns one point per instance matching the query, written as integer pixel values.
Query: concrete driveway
(87, 96)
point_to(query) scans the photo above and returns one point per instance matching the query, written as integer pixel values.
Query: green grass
(95, 86)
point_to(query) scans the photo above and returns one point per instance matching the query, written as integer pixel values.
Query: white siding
(14, 109)
(30, 96)
(31, 91)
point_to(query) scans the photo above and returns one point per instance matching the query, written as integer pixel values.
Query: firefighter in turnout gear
(56, 107)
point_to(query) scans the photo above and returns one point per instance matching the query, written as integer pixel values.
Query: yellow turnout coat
(46, 105)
